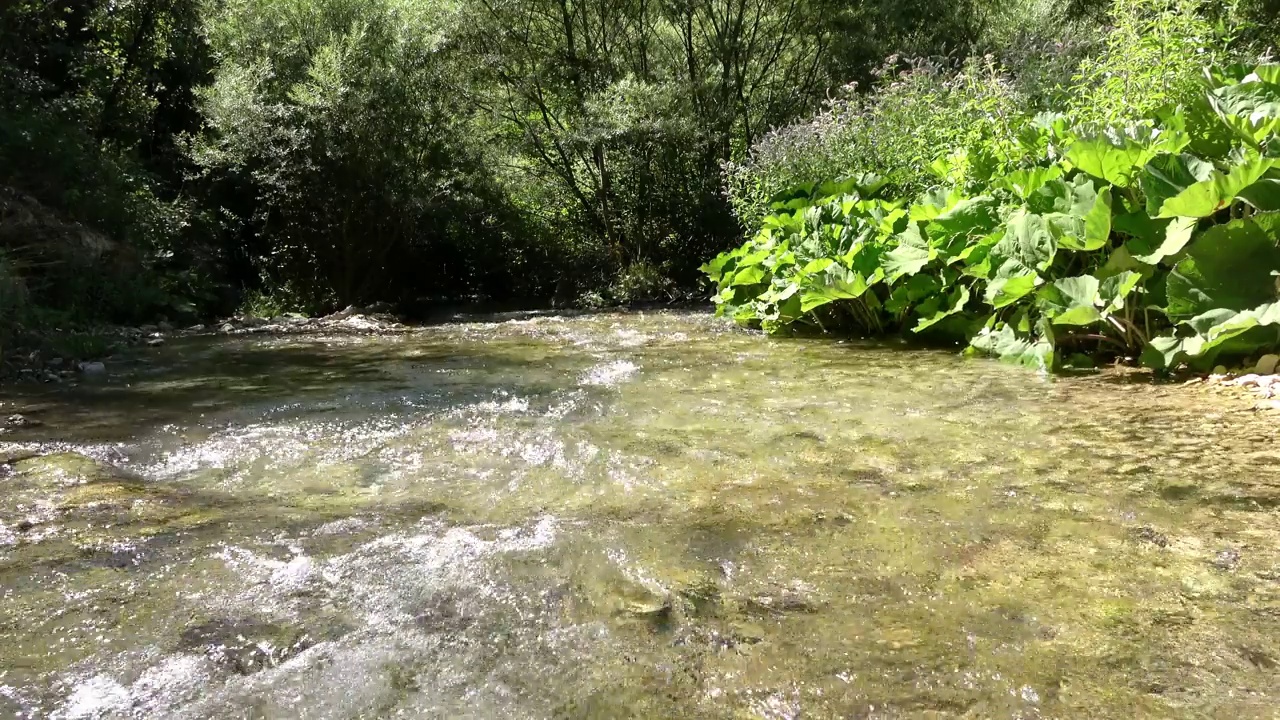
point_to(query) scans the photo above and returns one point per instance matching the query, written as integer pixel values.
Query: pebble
(1267, 364)
(1226, 559)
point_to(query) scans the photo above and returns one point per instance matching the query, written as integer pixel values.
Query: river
(647, 515)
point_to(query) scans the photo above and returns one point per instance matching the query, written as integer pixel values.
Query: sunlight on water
(646, 515)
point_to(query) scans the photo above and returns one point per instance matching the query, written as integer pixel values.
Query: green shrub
(1128, 241)
(918, 115)
(641, 281)
(1151, 60)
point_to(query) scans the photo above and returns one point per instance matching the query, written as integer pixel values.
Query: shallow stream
(631, 516)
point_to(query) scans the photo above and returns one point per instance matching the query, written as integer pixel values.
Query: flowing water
(631, 516)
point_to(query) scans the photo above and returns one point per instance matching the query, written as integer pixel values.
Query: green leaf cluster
(1157, 240)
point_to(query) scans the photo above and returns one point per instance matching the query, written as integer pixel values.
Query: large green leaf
(1251, 109)
(907, 294)
(1091, 230)
(954, 303)
(1138, 224)
(1025, 182)
(1028, 240)
(1116, 161)
(1012, 283)
(1263, 195)
(910, 256)
(1075, 197)
(1209, 196)
(748, 276)
(1071, 301)
(949, 232)
(1230, 267)
(834, 283)
(1168, 175)
(935, 203)
(1016, 347)
(1115, 290)
(1085, 300)
(1097, 222)
(716, 267)
(1213, 332)
(1177, 234)
(1269, 72)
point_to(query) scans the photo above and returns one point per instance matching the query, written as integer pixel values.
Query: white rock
(1267, 364)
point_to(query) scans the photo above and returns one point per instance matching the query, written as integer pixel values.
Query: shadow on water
(240, 378)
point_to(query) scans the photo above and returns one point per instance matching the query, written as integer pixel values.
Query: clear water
(632, 516)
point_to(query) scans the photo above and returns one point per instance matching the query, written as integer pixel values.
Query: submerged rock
(85, 502)
(90, 369)
(1226, 559)
(244, 646)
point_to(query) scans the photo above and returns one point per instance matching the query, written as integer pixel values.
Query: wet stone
(244, 645)
(1148, 534)
(1226, 559)
(781, 601)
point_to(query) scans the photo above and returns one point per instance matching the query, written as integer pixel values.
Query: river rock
(92, 368)
(86, 502)
(165, 326)
(1267, 364)
(11, 455)
(243, 645)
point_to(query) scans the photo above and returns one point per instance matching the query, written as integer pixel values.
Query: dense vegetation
(178, 159)
(1138, 216)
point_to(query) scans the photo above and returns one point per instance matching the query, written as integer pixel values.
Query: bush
(1150, 60)
(922, 111)
(333, 122)
(1097, 234)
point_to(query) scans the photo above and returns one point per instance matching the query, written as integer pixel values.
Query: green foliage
(1150, 61)
(925, 121)
(90, 215)
(1114, 241)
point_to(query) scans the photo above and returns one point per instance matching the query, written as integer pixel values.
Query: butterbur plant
(1157, 240)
